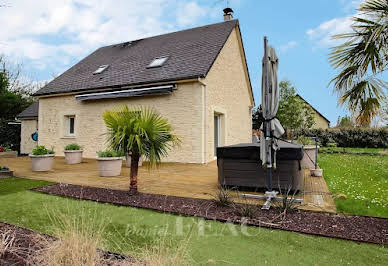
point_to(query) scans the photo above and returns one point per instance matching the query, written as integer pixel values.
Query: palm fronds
(361, 57)
(139, 130)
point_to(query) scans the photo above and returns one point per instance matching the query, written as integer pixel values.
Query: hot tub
(240, 166)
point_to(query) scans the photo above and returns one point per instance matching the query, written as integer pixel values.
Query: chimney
(228, 14)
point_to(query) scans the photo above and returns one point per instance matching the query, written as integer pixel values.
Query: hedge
(9, 135)
(348, 137)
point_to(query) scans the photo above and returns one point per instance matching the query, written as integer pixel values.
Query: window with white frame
(70, 125)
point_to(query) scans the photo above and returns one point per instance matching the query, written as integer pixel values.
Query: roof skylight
(158, 61)
(100, 69)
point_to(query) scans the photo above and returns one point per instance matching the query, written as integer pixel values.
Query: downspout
(205, 122)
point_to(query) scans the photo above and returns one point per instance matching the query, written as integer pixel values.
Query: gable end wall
(228, 94)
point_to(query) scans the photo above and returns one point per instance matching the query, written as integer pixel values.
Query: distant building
(29, 126)
(320, 120)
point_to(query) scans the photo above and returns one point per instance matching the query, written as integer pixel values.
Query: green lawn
(353, 150)
(362, 178)
(210, 242)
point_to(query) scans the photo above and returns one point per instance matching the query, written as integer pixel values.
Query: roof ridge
(169, 33)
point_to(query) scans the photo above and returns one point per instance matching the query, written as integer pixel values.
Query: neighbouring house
(29, 126)
(197, 78)
(321, 121)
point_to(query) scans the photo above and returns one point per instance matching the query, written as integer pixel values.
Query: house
(196, 78)
(320, 120)
(29, 126)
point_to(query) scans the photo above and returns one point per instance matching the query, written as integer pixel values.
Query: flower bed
(356, 228)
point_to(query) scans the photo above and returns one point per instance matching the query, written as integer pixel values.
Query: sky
(48, 37)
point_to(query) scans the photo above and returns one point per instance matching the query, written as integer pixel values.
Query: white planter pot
(128, 161)
(109, 166)
(309, 157)
(316, 172)
(41, 163)
(73, 157)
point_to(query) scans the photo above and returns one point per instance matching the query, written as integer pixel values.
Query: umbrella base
(268, 197)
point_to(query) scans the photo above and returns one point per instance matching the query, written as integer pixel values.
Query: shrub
(223, 197)
(4, 168)
(304, 140)
(288, 202)
(109, 153)
(73, 147)
(41, 150)
(348, 137)
(244, 209)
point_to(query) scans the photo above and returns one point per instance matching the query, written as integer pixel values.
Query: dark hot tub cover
(251, 151)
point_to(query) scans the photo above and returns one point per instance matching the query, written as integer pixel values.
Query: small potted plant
(5, 172)
(73, 153)
(42, 159)
(109, 163)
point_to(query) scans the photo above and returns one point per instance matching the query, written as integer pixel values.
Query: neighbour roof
(313, 108)
(30, 112)
(191, 53)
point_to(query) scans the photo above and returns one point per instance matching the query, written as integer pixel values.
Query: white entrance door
(217, 129)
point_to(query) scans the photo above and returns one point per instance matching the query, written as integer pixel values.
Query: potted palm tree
(140, 131)
(73, 153)
(42, 159)
(109, 163)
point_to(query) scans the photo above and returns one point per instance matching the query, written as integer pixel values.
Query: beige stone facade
(181, 108)
(320, 121)
(190, 109)
(28, 127)
(228, 94)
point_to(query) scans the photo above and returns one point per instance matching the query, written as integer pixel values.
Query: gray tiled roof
(30, 112)
(191, 54)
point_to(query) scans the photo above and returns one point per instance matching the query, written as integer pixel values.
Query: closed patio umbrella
(271, 128)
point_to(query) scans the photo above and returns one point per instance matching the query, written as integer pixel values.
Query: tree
(360, 59)
(345, 121)
(140, 132)
(14, 96)
(293, 112)
(257, 117)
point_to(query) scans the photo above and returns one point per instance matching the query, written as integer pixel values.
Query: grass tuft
(223, 198)
(77, 244)
(7, 240)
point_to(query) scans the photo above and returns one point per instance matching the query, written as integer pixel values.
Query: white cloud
(49, 34)
(286, 47)
(351, 5)
(189, 13)
(322, 35)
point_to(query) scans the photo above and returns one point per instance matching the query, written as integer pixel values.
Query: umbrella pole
(267, 128)
(270, 194)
